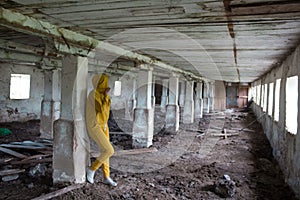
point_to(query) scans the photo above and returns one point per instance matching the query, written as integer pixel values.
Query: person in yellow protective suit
(97, 113)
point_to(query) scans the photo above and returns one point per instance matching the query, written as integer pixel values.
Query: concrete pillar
(188, 113)
(143, 120)
(164, 97)
(206, 98)
(172, 114)
(70, 140)
(153, 92)
(211, 96)
(199, 101)
(182, 94)
(50, 110)
(131, 103)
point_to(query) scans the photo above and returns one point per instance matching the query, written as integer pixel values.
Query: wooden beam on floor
(59, 192)
(13, 153)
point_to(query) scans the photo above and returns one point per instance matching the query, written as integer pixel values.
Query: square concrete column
(199, 101)
(164, 95)
(70, 141)
(172, 114)
(182, 94)
(153, 92)
(206, 99)
(211, 96)
(131, 103)
(50, 108)
(143, 118)
(188, 113)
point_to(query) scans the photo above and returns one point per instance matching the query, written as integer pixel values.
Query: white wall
(117, 103)
(286, 146)
(28, 108)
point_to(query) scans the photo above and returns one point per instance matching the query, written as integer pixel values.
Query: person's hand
(107, 90)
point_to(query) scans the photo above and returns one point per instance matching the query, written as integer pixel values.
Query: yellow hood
(100, 82)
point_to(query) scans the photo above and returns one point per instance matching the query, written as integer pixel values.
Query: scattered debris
(13, 153)
(10, 177)
(4, 131)
(30, 155)
(38, 170)
(247, 159)
(225, 187)
(11, 171)
(59, 192)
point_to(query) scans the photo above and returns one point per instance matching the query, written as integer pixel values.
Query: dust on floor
(245, 157)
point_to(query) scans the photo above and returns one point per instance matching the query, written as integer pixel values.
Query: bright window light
(291, 100)
(19, 86)
(118, 88)
(277, 99)
(265, 98)
(258, 94)
(270, 104)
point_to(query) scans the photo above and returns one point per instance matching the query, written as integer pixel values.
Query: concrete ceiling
(230, 40)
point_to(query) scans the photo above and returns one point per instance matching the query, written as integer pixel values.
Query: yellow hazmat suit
(97, 113)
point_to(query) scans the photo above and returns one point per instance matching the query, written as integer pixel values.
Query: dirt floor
(189, 164)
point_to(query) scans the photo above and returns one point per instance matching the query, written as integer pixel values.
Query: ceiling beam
(69, 40)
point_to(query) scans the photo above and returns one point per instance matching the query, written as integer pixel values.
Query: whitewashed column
(188, 113)
(70, 140)
(164, 97)
(206, 99)
(143, 120)
(50, 110)
(172, 114)
(182, 94)
(199, 101)
(131, 102)
(211, 96)
(153, 92)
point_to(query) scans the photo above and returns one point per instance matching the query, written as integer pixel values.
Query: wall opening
(265, 97)
(277, 100)
(291, 117)
(158, 93)
(19, 86)
(258, 94)
(118, 88)
(270, 101)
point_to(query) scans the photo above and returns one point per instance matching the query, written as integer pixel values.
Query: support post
(50, 107)
(172, 114)
(131, 102)
(199, 101)
(164, 97)
(182, 94)
(70, 141)
(143, 120)
(206, 99)
(188, 113)
(153, 92)
(212, 96)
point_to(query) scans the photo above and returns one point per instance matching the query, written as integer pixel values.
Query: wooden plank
(3, 161)
(13, 153)
(11, 171)
(59, 192)
(266, 8)
(19, 146)
(45, 160)
(40, 156)
(225, 135)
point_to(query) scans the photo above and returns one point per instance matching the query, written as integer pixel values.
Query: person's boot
(109, 181)
(90, 175)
